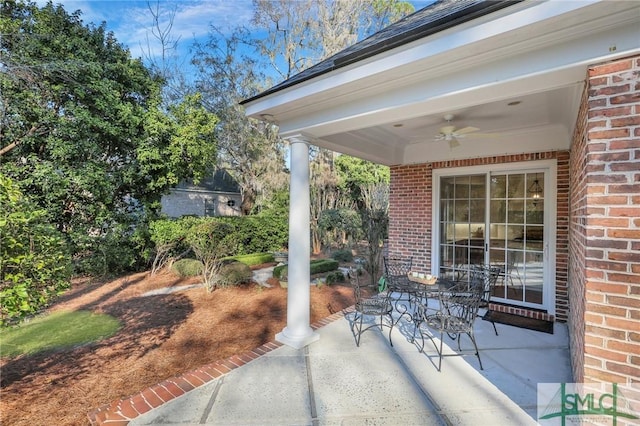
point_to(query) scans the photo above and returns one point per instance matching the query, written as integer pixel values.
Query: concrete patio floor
(333, 382)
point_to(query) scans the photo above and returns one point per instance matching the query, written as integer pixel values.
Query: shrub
(233, 273)
(187, 267)
(254, 259)
(335, 277)
(34, 263)
(317, 266)
(342, 255)
(211, 241)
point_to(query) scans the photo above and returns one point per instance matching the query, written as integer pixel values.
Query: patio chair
(396, 270)
(455, 317)
(485, 277)
(378, 307)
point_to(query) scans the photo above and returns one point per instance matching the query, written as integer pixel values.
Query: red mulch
(161, 336)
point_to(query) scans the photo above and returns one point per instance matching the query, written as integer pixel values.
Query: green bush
(335, 277)
(187, 267)
(251, 234)
(342, 255)
(254, 259)
(119, 250)
(317, 266)
(233, 273)
(34, 263)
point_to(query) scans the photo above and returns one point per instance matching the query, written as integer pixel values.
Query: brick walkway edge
(121, 412)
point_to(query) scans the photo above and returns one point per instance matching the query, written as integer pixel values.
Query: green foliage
(257, 234)
(335, 277)
(354, 173)
(317, 266)
(254, 259)
(342, 255)
(233, 273)
(34, 264)
(211, 241)
(89, 139)
(56, 331)
(340, 227)
(187, 267)
(251, 234)
(169, 237)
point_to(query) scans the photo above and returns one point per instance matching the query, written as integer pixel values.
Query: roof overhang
(532, 55)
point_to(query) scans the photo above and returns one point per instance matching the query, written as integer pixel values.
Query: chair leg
(494, 327)
(473, 340)
(390, 327)
(440, 352)
(360, 330)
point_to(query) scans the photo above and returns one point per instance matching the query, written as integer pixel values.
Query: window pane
(462, 187)
(462, 211)
(476, 213)
(498, 211)
(515, 211)
(516, 186)
(498, 186)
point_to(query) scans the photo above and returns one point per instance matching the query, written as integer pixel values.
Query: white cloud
(132, 22)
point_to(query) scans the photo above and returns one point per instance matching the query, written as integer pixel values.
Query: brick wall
(410, 213)
(577, 241)
(611, 161)
(410, 216)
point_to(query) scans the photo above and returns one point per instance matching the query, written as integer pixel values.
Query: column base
(297, 342)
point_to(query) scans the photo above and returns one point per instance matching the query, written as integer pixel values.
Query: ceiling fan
(451, 134)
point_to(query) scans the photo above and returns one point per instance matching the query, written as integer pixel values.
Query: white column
(298, 332)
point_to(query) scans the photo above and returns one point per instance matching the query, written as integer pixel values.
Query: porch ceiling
(516, 74)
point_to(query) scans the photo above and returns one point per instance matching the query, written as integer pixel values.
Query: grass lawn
(58, 330)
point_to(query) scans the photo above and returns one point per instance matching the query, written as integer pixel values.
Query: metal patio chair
(485, 277)
(379, 307)
(396, 273)
(456, 316)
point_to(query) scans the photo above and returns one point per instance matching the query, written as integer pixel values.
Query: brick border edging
(121, 412)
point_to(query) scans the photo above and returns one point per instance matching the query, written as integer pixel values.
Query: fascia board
(453, 39)
(522, 74)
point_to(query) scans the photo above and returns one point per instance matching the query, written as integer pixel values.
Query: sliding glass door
(496, 218)
(516, 245)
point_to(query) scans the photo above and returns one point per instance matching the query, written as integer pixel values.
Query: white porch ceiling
(517, 75)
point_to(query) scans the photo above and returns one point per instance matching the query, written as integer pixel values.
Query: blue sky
(131, 21)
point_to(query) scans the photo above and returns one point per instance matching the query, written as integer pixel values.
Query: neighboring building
(216, 195)
(512, 130)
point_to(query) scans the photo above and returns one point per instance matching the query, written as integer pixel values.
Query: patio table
(412, 290)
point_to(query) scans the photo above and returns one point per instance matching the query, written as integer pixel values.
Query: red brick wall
(611, 162)
(410, 213)
(410, 216)
(577, 241)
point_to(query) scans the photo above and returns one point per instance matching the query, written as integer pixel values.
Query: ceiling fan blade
(453, 143)
(466, 130)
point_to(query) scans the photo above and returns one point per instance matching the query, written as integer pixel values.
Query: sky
(131, 21)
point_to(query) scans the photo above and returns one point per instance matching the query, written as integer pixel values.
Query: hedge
(317, 266)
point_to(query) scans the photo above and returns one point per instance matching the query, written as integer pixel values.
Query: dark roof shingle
(429, 20)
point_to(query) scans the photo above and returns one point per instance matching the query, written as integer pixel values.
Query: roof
(439, 16)
(220, 181)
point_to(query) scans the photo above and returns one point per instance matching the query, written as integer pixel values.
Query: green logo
(577, 402)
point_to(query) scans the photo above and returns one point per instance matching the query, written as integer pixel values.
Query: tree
(375, 220)
(34, 263)
(211, 241)
(354, 173)
(250, 150)
(83, 130)
(301, 33)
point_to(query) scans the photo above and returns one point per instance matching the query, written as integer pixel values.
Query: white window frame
(550, 168)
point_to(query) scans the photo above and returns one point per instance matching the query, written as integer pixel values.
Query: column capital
(298, 138)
